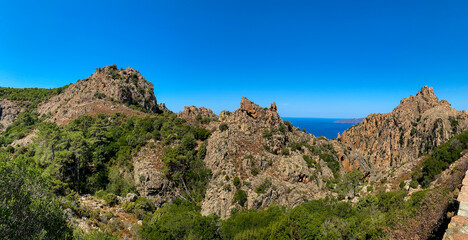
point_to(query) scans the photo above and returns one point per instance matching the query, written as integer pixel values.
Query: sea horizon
(326, 127)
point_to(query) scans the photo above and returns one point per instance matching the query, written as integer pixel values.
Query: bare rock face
(269, 116)
(9, 111)
(149, 179)
(162, 108)
(255, 148)
(192, 113)
(418, 125)
(108, 90)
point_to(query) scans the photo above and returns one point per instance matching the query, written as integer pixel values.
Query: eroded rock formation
(418, 125)
(9, 111)
(257, 148)
(108, 90)
(194, 113)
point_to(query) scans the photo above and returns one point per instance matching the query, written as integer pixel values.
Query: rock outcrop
(9, 111)
(108, 90)
(149, 179)
(274, 163)
(194, 113)
(418, 125)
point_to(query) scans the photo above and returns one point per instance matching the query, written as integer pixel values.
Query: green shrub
(30, 97)
(111, 199)
(263, 187)
(223, 127)
(28, 209)
(254, 171)
(100, 95)
(236, 181)
(128, 207)
(414, 184)
(180, 221)
(100, 194)
(240, 197)
(289, 125)
(333, 164)
(402, 184)
(310, 163)
(442, 157)
(267, 133)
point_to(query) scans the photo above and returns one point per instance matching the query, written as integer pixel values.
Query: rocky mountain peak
(127, 86)
(427, 93)
(413, 106)
(415, 127)
(273, 107)
(193, 114)
(107, 90)
(252, 110)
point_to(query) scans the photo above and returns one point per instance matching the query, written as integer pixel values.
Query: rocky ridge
(193, 113)
(107, 90)
(257, 148)
(254, 152)
(418, 125)
(9, 111)
(149, 179)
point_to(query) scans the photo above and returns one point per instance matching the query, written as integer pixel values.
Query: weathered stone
(193, 112)
(462, 197)
(416, 126)
(149, 179)
(108, 90)
(9, 111)
(252, 149)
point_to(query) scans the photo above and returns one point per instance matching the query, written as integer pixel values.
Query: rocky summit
(415, 127)
(122, 165)
(107, 90)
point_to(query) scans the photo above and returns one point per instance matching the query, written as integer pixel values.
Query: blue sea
(320, 126)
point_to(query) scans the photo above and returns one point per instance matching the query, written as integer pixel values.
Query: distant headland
(351, 120)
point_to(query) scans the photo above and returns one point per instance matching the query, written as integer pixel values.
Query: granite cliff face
(108, 90)
(416, 126)
(194, 113)
(274, 163)
(9, 111)
(256, 159)
(149, 178)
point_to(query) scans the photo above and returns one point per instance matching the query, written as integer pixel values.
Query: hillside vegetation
(82, 162)
(94, 156)
(32, 96)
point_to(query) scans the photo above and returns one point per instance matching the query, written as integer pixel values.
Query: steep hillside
(415, 127)
(13, 101)
(120, 171)
(107, 90)
(258, 160)
(9, 111)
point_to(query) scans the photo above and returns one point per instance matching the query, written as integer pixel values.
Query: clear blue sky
(314, 58)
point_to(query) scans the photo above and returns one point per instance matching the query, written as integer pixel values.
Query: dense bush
(111, 199)
(27, 209)
(95, 154)
(441, 158)
(223, 127)
(180, 221)
(327, 218)
(31, 95)
(236, 182)
(240, 197)
(22, 126)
